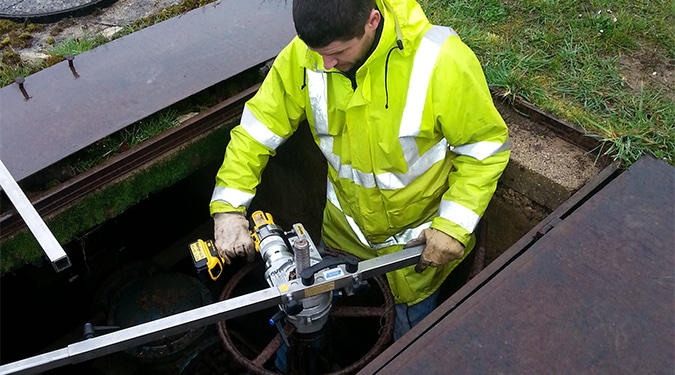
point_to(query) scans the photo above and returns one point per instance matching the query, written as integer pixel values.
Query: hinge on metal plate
(548, 226)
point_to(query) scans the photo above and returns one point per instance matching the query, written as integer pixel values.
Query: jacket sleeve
(477, 136)
(267, 121)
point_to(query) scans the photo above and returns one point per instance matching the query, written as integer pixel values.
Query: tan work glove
(232, 236)
(440, 249)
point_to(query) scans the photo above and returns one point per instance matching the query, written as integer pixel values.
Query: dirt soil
(647, 68)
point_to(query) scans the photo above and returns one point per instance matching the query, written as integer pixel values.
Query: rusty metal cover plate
(595, 295)
(133, 77)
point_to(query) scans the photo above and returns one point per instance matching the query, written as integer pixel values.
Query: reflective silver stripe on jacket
(481, 150)
(233, 197)
(397, 239)
(261, 133)
(459, 215)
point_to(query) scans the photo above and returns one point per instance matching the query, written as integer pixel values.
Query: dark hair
(320, 22)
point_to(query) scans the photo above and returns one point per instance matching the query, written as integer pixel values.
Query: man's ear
(374, 19)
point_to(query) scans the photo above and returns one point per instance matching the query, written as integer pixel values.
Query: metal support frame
(205, 315)
(37, 226)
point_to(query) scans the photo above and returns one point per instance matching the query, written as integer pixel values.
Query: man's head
(341, 31)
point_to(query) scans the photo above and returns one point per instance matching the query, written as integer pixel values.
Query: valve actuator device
(286, 256)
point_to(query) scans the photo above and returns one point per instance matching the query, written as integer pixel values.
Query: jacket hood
(404, 20)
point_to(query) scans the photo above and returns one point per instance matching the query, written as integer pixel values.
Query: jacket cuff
(220, 207)
(451, 229)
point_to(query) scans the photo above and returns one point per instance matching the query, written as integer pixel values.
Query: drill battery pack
(206, 259)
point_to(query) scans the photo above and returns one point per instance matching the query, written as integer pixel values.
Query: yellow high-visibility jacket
(416, 143)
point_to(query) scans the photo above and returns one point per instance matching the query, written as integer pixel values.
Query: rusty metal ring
(255, 366)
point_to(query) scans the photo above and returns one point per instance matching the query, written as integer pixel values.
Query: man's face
(344, 54)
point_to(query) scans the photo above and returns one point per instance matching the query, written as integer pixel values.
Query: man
(402, 112)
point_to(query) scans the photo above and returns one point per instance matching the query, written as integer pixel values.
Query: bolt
(20, 80)
(266, 68)
(70, 59)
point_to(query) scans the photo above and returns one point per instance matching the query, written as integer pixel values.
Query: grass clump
(77, 46)
(124, 140)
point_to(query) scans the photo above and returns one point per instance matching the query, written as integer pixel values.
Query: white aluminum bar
(37, 226)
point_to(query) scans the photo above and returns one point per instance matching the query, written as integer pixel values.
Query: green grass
(77, 46)
(124, 139)
(589, 63)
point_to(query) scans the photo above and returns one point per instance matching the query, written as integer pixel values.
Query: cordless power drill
(286, 256)
(271, 242)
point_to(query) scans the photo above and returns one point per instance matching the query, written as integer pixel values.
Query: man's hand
(232, 236)
(440, 249)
